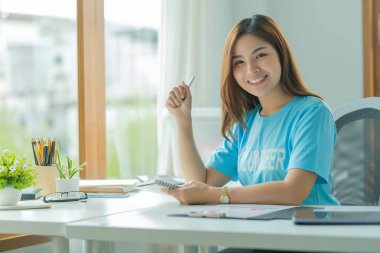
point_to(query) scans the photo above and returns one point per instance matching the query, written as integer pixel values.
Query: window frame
(91, 88)
(371, 51)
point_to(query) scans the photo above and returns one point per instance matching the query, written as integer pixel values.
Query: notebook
(310, 217)
(164, 181)
(107, 186)
(31, 204)
(168, 182)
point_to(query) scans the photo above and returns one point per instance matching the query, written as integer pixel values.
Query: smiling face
(256, 66)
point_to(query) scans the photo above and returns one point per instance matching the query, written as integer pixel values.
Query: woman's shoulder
(311, 103)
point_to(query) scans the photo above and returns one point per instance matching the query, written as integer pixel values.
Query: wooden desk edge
(16, 241)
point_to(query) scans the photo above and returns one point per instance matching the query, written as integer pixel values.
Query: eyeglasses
(65, 197)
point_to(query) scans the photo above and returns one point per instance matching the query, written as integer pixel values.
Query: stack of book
(107, 188)
(31, 194)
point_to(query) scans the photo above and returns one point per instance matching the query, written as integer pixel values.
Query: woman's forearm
(293, 190)
(275, 193)
(192, 164)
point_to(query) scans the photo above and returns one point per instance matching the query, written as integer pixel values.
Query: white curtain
(191, 40)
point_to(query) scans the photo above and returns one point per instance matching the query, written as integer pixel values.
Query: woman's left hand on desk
(195, 192)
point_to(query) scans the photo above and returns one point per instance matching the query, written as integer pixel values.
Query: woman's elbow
(296, 198)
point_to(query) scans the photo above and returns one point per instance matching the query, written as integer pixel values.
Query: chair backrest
(356, 168)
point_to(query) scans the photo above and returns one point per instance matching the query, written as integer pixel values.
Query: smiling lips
(258, 81)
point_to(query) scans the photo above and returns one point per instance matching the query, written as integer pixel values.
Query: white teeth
(256, 80)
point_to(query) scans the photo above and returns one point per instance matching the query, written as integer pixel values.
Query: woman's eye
(260, 56)
(238, 63)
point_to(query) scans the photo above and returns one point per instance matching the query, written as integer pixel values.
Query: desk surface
(152, 225)
(143, 218)
(53, 221)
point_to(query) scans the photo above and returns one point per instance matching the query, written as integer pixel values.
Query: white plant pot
(9, 196)
(67, 185)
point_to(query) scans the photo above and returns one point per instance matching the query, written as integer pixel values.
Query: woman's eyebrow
(253, 52)
(258, 49)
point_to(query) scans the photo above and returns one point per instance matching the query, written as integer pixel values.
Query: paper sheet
(236, 211)
(28, 204)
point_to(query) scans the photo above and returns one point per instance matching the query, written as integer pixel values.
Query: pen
(208, 214)
(191, 81)
(51, 152)
(55, 153)
(34, 152)
(40, 145)
(189, 84)
(45, 154)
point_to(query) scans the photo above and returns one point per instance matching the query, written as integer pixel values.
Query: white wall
(325, 35)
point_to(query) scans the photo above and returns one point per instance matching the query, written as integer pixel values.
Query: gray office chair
(356, 168)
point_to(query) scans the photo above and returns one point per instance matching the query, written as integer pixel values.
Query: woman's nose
(252, 68)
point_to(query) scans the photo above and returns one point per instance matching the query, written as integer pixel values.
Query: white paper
(241, 211)
(27, 204)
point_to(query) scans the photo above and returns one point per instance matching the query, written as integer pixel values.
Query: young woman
(279, 137)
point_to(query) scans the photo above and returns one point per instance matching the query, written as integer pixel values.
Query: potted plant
(15, 174)
(66, 181)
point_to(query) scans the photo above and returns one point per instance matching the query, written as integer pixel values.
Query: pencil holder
(46, 176)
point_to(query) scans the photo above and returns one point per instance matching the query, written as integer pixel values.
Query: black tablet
(336, 217)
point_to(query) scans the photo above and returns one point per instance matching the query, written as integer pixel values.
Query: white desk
(152, 225)
(142, 218)
(53, 221)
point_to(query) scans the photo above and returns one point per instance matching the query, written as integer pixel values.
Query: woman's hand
(179, 101)
(195, 192)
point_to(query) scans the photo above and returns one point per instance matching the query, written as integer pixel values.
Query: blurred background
(150, 46)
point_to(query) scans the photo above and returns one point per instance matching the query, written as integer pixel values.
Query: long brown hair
(236, 102)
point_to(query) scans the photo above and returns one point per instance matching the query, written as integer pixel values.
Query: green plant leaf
(15, 172)
(71, 169)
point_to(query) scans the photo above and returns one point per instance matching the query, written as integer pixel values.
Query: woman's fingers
(171, 102)
(175, 101)
(187, 184)
(182, 90)
(175, 98)
(173, 192)
(164, 190)
(178, 91)
(185, 90)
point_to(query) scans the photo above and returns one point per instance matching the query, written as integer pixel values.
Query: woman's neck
(273, 102)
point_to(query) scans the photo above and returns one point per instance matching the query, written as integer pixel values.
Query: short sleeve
(224, 159)
(313, 140)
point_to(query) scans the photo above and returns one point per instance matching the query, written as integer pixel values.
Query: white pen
(191, 81)
(207, 214)
(189, 85)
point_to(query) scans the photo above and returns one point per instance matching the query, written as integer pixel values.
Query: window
(38, 74)
(131, 36)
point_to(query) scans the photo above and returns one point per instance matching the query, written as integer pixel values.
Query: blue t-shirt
(301, 135)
